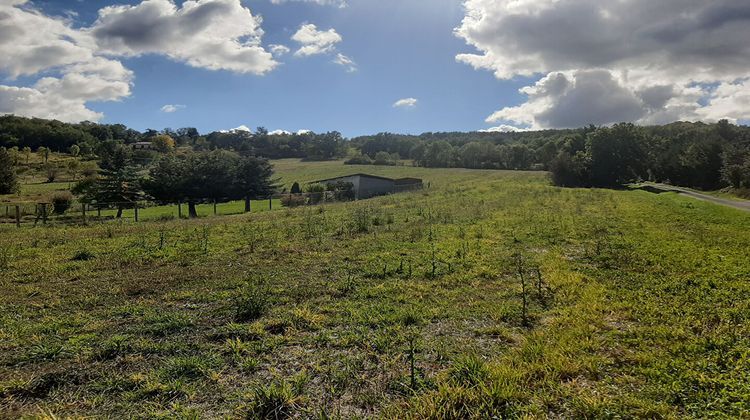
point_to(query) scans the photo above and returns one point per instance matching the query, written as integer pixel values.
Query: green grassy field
(406, 306)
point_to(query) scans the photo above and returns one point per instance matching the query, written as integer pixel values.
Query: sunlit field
(490, 293)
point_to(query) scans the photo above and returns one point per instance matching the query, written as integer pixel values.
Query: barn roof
(351, 175)
(408, 181)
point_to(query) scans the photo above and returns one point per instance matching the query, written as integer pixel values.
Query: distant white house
(143, 145)
(367, 186)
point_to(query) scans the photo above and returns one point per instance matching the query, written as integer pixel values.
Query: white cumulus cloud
(346, 62)
(600, 62)
(172, 108)
(314, 41)
(338, 3)
(503, 128)
(211, 34)
(76, 66)
(278, 49)
(406, 103)
(32, 43)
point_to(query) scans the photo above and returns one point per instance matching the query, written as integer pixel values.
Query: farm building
(367, 186)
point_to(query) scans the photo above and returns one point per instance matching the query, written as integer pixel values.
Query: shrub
(361, 220)
(343, 191)
(385, 158)
(316, 193)
(293, 200)
(358, 159)
(61, 202)
(316, 188)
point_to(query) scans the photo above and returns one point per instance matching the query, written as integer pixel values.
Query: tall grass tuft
(279, 400)
(251, 304)
(6, 257)
(469, 371)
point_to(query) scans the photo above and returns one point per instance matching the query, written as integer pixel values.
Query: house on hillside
(143, 145)
(368, 186)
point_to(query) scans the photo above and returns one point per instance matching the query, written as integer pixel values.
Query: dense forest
(700, 155)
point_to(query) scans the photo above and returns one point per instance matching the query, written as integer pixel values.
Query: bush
(293, 200)
(343, 191)
(316, 188)
(385, 158)
(61, 202)
(361, 220)
(358, 159)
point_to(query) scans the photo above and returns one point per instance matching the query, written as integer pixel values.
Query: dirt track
(741, 205)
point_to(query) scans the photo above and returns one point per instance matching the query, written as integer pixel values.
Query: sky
(367, 66)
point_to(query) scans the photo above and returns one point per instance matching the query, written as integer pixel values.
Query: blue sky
(461, 65)
(403, 49)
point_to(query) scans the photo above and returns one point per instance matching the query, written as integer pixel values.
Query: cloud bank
(604, 62)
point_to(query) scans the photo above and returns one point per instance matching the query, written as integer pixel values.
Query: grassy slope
(644, 312)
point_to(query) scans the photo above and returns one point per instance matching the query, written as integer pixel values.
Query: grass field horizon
(491, 293)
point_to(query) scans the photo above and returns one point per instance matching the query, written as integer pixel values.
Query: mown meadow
(491, 293)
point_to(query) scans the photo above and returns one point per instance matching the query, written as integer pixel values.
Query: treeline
(91, 138)
(474, 150)
(306, 145)
(706, 156)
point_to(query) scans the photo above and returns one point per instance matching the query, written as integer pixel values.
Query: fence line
(43, 212)
(20, 213)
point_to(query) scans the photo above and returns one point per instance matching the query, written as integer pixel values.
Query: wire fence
(42, 213)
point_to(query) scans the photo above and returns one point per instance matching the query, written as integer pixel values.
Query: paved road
(741, 205)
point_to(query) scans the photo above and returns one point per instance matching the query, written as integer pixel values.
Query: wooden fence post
(135, 207)
(44, 213)
(214, 207)
(98, 211)
(270, 203)
(18, 216)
